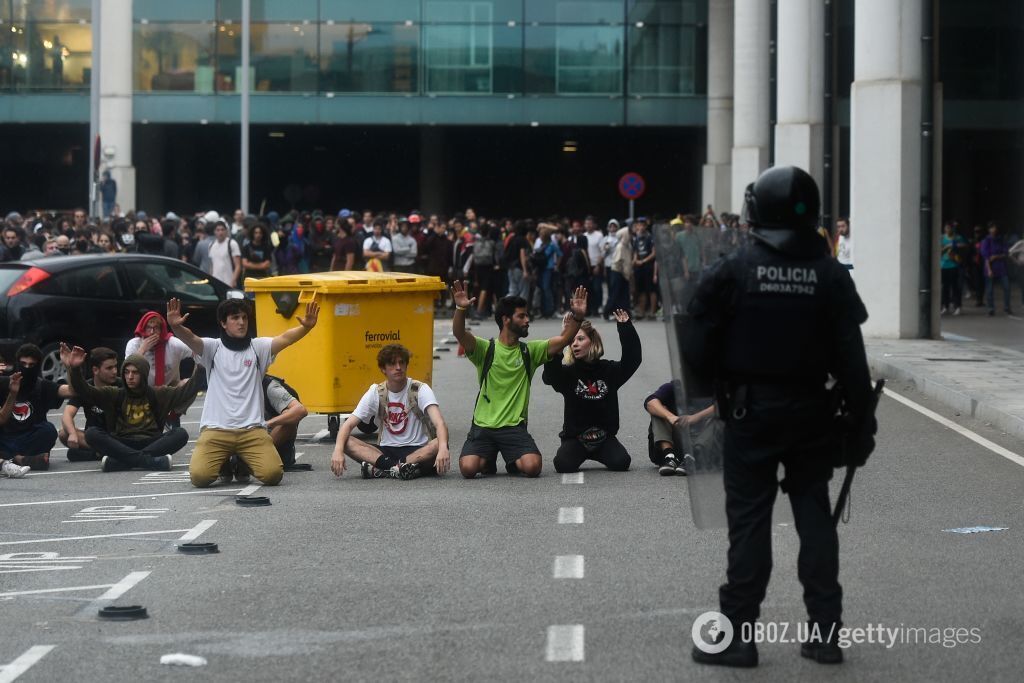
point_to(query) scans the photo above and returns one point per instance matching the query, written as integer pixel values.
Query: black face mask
(235, 343)
(29, 375)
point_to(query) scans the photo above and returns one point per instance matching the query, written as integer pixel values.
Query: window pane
(662, 60)
(459, 57)
(52, 10)
(364, 10)
(45, 56)
(588, 60)
(174, 57)
(178, 10)
(284, 58)
(664, 11)
(574, 12)
(369, 58)
(270, 10)
(159, 281)
(94, 282)
(472, 11)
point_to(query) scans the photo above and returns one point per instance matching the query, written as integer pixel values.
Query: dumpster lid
(342, 281)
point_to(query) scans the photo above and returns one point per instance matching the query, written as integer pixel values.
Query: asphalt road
(446, 579)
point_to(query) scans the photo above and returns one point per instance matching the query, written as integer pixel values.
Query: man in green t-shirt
(500, 413)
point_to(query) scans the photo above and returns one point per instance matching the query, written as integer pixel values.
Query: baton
(844, 492)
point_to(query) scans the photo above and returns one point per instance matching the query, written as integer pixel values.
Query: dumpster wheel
(333, 424)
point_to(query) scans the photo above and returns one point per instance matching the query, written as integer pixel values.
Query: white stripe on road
(569, 567)
(46, 474)
(198, 530)
(216, 491)
(565, 643)
(9, 672)
(113, 593)
(55, 590)
(570, 515)
(572, 478)
(963, 431)
(85, 538)
(250, 489)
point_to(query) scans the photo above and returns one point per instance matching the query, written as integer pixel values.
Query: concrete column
(432, 188)
(751, 133)
(116, 98)
(885, 149)
(799, 133)
(718, 169)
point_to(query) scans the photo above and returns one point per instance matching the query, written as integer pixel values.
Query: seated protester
(664, 417)
(133, 434)
(7, 467)
(103, 366)
(25, 435)
(505, 367)
(283, 413)
(232, 422)
(413, 435)
(154, 342)
(590, 387)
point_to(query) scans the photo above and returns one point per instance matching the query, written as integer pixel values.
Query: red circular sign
(632, 186)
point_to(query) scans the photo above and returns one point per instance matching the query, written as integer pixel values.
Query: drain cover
(198, 548)
(124, 613)
(252, 501)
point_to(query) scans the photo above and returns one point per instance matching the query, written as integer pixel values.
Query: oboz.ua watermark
(713, 632)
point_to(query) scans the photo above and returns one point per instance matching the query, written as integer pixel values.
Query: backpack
(577, 266)
(483, 252)
(538, 260)
(414, 406)
(489, 360)
(267, 379)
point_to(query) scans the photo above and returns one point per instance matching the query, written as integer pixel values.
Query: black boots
(738, 654)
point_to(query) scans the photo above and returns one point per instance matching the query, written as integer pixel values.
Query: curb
(966, 401)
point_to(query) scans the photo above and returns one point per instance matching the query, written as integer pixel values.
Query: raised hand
(312, 314)
(565, 320)
(174, 316)
(621, 315)
(460, 296)
(578, 303)
(14, 386)
(71, 357)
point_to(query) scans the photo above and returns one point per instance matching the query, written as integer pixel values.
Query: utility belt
(734, 398)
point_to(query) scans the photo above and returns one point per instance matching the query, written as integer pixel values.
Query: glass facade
(46, 45)
(423, 47)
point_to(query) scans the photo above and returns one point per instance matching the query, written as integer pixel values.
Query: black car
(97, 300)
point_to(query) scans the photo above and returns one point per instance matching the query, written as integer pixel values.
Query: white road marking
(250, 489)
(569, 567)
(164, 478)
(572, 478)
(43, 591)
(9, 672)
(565, 643)
(48, 474)
(963, 431)
(20, 563)
(570, 515)
(949, 336)
(83, 538)
(198, 530)
(216, 491)
(113, 593)
(114, 513)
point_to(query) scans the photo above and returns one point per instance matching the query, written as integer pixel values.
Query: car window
(90, 282)
(165, 280)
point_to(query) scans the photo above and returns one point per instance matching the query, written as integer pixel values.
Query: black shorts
(394, 455)
(511, 442)
(643, 277)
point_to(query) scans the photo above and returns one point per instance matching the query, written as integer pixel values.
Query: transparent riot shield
(701, 441)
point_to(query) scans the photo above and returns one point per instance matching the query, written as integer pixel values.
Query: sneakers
(943, 311)
(225, 474)
(108, 464)
(368, 471)
(956, 311)
(738, 654)
(9, 469)
(409, 470)
(160, 463)
(670, 467)
(243, 475)
(40, 462)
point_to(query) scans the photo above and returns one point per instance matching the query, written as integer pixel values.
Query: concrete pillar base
(747, 164)
(801, 145)
(717, 179)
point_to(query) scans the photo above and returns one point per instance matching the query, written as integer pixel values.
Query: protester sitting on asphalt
(133, 434)
(413, 434)
(590, 387)
(103, 367)
(664, 417)
(25, 435)
(232, 421)
(505, 367)
(155, 342)
(283, 413)
(7, 467)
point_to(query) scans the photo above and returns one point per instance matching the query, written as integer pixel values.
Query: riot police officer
(772, 321)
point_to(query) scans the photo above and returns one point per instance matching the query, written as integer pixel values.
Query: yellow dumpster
(359, 313)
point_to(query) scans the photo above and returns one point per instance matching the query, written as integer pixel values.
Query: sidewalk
(980, 376)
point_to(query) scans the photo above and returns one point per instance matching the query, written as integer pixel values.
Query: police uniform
(777, 317)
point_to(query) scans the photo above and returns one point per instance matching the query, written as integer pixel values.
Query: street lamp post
(94, 113)
(244, 87)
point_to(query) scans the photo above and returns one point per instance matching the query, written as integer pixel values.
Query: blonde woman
(590, 387)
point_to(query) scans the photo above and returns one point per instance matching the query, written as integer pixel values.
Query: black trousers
(136, 452)
(795, 432)
(571, 454)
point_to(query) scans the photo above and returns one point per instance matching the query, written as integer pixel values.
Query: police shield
(683, 252)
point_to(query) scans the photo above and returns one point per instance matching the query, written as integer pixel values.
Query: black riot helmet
(783, 198)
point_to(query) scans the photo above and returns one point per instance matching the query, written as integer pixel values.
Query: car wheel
(51, 367)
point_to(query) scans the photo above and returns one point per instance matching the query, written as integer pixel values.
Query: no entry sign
(632, 186)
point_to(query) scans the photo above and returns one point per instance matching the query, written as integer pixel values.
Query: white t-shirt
(594, 250)
(402, 428)
(234, 399)
(222, 256)
(844, 250)
(176, 351)
(383, 242)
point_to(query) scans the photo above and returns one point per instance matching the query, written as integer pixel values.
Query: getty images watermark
(713, 632)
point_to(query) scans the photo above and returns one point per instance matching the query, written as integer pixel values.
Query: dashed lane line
(569, 567)
(113, 593)
(9, 672)
(565, 643)
(572, 478)
(570, 515)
